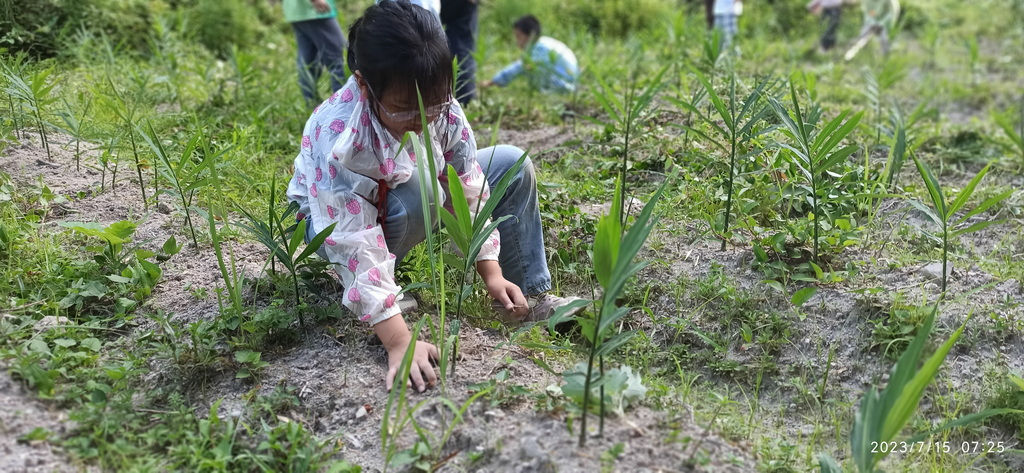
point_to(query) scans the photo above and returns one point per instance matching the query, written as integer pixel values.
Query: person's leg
(831, 17)
(522, 257)
(330, 45)
(404, 225)
(309, 69)
(883, 36)
(726, 26)
(460, 20)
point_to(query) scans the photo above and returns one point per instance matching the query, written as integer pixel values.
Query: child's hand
(502, 290)
(395, 336)
(509, 295)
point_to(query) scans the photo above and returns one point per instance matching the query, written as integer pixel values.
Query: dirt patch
(21, 415)
(336, 370)
(543, 143)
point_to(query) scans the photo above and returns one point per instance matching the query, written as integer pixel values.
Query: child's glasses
(433, 112)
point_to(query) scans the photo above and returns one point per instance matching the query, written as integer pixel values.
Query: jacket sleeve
(503, 77)
(460, 153)
(356, 247)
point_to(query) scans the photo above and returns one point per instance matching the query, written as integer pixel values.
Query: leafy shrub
(218, 24)
(39, 27)
(618, 17)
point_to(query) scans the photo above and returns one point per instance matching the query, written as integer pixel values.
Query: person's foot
(542, 307)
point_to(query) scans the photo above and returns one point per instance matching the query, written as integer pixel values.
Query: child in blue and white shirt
(548, 63)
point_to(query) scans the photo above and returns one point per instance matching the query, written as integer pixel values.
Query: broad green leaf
(977, 226)
(963, 421)
(459, 206)
(315, 243)
(910, 396)
(297, 237)
(803, 295)
(988, 203)
(966, 192)
(934, 189)
(607, 240)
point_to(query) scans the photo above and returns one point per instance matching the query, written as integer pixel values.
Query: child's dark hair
(398, 44)
(528, 24)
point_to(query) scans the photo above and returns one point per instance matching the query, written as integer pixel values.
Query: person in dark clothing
(321, 44)
(830, 11)
(459, 18)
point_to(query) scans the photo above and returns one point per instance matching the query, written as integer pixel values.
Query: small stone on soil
(934, 270)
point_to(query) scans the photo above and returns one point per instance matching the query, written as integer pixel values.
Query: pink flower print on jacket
(319, 175)
(390, 301)
(364, 119)
(465, 134)
(412, 156)
(353, 264)
(380, 242)
(353, 295)
(312, 190)
(301, 179)
(332, 212)
(337, 126)
(346, 95)
(333, 171)
(300, 216)
(452, 119)
(448, 155)
(387, 167)
(494, 242)
(330, 241)
(306, 143)
(357, 146)
(353, 207)
(365, 317)
(374, 275)
(316, 135)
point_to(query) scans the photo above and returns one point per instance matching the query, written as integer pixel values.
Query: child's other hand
(509, 296)
(395, 336)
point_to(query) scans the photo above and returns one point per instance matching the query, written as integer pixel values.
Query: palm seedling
(12, 69)
(875, 88)
(76, 126)
(734, 135)
(125, 109)
(34, 91)
(469, 230)
(942, 213)
(883, 414)
(614, 251)
(1016, 137)
(903, 134)
(814, 151)
(625, 116)
(283, 242)
(186, 174)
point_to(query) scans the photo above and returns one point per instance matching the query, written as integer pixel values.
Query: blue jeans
(321, 46)
(522, 257)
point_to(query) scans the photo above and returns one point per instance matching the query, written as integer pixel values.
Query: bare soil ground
(337, 368)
